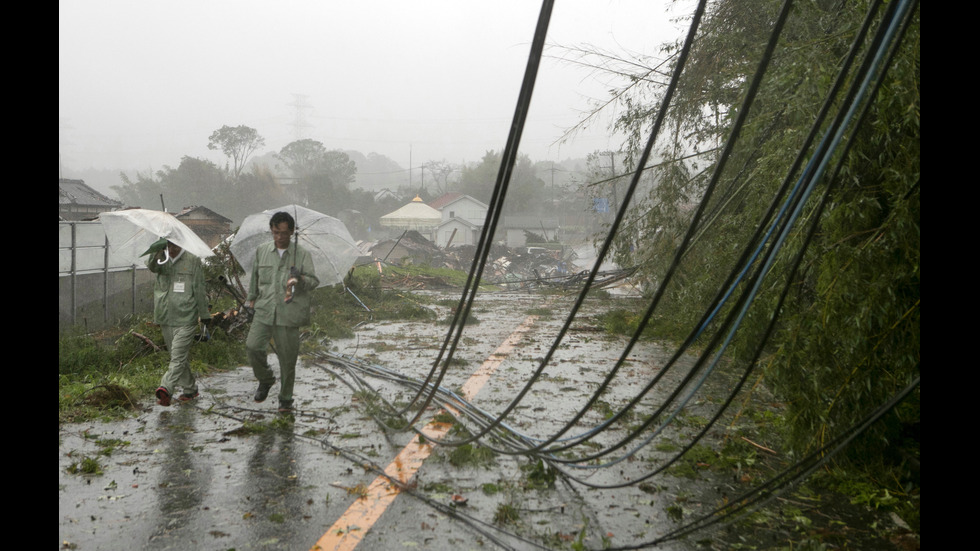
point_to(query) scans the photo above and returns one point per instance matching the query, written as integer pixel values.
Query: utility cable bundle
(740, 288)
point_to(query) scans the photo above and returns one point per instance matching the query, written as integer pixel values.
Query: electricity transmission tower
(300, 108)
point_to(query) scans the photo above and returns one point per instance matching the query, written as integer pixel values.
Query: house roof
(202, 210)
(447, 199)
(444, 199)
(385, 193)
(76, 192)
(460, 221)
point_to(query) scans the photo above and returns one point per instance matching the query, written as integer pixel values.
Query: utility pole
(553, 193)
(552, 183)
(615, 187)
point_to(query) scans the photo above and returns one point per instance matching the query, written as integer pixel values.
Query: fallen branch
(758, 446)
(145, 339)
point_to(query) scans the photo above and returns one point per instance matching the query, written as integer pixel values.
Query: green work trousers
(179, 339)
(286, 342)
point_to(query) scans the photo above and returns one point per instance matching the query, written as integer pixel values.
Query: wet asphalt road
(226, 473)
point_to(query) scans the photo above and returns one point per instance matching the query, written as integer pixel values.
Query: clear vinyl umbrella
(131, 232)
(325, 237)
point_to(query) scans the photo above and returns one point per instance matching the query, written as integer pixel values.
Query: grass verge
(112, 374)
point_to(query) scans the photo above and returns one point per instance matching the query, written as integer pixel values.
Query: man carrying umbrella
(179, 303)
(279, 290)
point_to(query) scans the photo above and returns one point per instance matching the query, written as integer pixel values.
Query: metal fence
(96, 289)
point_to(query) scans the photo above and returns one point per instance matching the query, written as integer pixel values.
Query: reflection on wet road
(271, 485)
(225, 473)
(182, 480)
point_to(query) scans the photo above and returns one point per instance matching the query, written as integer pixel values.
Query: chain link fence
(96, 290)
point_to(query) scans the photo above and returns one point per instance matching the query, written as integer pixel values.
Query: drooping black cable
(859, 117)
(756, 238)
(685, 450)
(586, 286)
(864, 73)
(719, 167)
(760, 72)
(777, 484)
(493, 213)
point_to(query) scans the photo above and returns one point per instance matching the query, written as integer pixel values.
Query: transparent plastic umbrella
(325, 237)
(131, 232)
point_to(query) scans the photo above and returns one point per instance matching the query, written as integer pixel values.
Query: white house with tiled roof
(462, 219)
(457, 205)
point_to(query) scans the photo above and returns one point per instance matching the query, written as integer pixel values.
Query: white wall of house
(467, 208)
(466, 233)
(465, 216)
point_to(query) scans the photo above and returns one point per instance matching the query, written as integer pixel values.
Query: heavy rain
(636, 275)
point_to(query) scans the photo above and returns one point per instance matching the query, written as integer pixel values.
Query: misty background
(414, 93)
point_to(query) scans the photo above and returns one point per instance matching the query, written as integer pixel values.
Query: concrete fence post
(105, 282)
(74, 271)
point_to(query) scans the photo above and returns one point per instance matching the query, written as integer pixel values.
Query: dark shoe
(163, 397)
(262, 393)
(188, 397)
(285, 407)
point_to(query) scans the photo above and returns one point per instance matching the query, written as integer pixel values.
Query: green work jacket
(267, 286)
(178, 292)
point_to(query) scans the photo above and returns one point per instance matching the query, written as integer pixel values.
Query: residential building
(210, 226)
(77, 201)
(462, 219)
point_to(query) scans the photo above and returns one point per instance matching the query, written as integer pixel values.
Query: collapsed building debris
(512, 268)
(507, 266)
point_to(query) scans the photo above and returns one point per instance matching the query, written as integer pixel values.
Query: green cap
(156, 247)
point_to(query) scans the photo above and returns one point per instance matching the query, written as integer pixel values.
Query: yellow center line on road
(352, 526)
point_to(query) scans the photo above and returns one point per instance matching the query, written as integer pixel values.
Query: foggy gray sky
(142, 84)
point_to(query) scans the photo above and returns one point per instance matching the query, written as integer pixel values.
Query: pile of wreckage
(506, 266)
(512, 268)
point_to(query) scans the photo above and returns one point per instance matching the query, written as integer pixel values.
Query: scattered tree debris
(149, 342)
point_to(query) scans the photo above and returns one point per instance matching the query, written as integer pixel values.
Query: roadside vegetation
(112, 373)
(843, 504)
(834, 324)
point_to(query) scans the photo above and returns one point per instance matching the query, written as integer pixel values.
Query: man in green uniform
(279, 290)
(179, 303)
